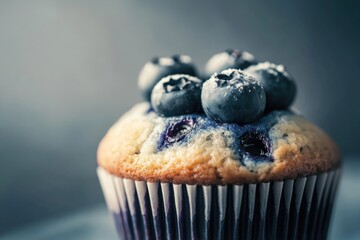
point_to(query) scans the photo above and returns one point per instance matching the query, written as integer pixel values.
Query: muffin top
(195, 149)
(233, 128)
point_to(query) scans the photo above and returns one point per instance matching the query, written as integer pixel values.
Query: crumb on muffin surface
(194, 149)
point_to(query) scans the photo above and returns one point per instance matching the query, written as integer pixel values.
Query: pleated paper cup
(291, 209)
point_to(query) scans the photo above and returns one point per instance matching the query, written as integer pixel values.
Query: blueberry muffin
(222, 156)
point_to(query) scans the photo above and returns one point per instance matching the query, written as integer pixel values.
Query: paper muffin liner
(291, 209)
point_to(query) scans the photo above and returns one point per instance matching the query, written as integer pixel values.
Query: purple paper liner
(290, 209)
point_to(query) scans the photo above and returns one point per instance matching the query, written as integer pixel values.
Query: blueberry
(231, 58)
(158, 68)
(177, 95)
(279, 86)
(255, 144)
(233, 96)
(177, 132)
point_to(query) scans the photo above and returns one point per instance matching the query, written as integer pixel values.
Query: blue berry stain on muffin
(255, 144)
(159, 67)
(177, 130)
(252, 143)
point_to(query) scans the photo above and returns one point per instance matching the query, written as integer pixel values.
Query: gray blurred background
(68, 70)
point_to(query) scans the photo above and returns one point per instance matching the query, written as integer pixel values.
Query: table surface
(96, 223)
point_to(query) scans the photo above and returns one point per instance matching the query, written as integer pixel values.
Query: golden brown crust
(128, 150)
